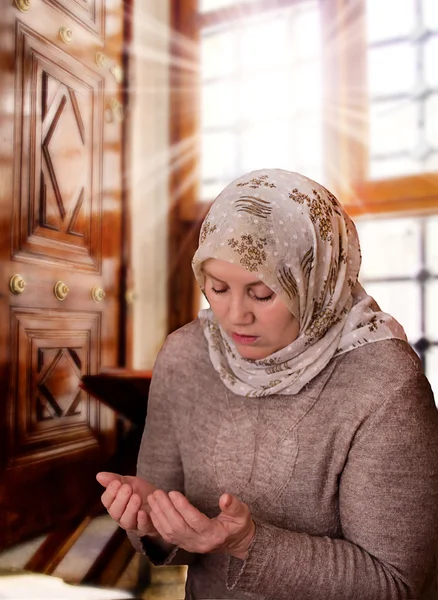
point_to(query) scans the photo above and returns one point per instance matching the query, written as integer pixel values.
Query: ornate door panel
(60, 247)
(58, 156)
(89, 13)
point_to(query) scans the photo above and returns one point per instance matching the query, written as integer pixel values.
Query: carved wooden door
(60, 250)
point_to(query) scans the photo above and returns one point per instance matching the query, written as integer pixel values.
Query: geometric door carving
(59, 375)
(89, 13)
(64, 106)
(58, 159)
(51, 415)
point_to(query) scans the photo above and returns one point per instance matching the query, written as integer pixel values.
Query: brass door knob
(115, 111)
(17, 284)
(130, 297)
(97, 294)
(60, 290)
(65, 34)
(101, 60)
(22, 5)
(117, 73)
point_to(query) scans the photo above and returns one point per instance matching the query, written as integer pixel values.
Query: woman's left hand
(180, 523)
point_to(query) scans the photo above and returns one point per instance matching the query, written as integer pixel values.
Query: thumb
(232, 506)
(105, 478)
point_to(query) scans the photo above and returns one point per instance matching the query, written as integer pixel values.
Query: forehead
(230, 272)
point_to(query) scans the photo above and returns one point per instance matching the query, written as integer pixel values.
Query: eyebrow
(251, 284)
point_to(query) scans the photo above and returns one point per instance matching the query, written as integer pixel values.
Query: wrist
(243, 550)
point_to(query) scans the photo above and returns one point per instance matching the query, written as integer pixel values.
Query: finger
(232, 506)
(167, 521)
(105, 478)
(194, 518)
(164, 505)
(158, 519)
(144, 523)
(109, 495)
(120, 502)
(128, 520)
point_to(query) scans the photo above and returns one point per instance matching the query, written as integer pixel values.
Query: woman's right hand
(125, 499)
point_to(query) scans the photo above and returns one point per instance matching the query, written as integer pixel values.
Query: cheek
(278, 323)
(216, 304)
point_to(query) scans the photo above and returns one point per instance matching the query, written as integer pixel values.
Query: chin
(253, 353)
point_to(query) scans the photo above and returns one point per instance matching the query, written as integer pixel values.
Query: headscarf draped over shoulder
(293, 234)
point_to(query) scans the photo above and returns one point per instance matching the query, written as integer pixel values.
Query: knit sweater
(341, 479)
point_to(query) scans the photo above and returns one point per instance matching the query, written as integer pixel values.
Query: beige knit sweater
(341, 479)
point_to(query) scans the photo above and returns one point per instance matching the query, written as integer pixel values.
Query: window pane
(218, 54)
(307, 76)
(430, 56)
(390, 247)
(306, 26)
(431, 310)
(384, 69)
(307, 143)
(382, 23)
(207, 5)
(432, 245)
(268, 146)
(261, 98)
(402, 72)
(432, 370)
(218, 104)
(261, 84)
(218, 156)
(295, 147)
(393, 126)
(402, 301)
(265, 44)
(430, 13)
(431, 119)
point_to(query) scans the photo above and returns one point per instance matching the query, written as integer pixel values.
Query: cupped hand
(180, 523)
(125, 499)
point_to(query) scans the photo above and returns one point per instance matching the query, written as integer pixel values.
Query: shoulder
(185, 346)
(392, 357)
(379, 372)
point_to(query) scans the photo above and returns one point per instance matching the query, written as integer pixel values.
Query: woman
(291, 443)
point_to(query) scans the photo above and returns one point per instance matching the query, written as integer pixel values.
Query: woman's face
(248, 310)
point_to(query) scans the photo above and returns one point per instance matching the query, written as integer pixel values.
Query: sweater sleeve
(388, 495)
(159, 460)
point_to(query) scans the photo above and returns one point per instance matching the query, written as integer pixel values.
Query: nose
(239, 312)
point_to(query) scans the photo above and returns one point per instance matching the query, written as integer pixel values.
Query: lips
(244, 339)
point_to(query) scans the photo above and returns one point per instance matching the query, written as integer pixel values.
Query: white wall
(149, 120)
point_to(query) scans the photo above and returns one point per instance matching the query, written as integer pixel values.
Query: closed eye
(264, 299)
(258, 298)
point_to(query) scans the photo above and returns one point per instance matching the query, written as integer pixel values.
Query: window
(403, 87)
(345, 91)
(261, 96)
(400, 270)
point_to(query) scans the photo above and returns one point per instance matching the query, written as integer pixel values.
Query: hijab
(293, 234)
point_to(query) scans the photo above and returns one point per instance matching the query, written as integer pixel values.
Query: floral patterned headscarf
(294, 235)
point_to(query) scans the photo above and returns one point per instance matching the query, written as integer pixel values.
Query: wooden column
(184, 222)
